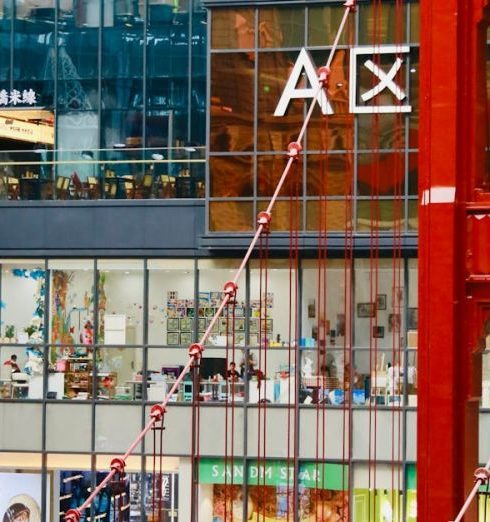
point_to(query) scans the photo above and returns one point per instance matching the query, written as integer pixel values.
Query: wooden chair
(145, 188)
(167, 186)
(13, 188)
(62, 187)
(93, 189)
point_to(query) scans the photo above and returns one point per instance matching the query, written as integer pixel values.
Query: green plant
(10, 331)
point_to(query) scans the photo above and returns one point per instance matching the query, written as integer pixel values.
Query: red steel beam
(451, 170)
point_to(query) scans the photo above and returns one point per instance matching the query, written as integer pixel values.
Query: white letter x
(386, 80)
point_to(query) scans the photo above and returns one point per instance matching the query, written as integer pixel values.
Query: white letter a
(304, 62)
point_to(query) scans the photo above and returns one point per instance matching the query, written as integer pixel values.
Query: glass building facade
(175, 100)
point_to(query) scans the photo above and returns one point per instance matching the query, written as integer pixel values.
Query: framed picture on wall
(394, 323)
(173, 338)
(413, 319)
(366, 310)
(172, 325)
(381, 302)
(201, 324)
(254, 340)
(223, 325)
(240, 325)
(254, 325)
(378, 332)
(186, 324)
(240, 339)
(185, 338)
(215, 328)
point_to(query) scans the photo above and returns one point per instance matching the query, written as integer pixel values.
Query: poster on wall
(20, 497)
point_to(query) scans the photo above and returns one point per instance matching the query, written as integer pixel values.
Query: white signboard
(371, 101)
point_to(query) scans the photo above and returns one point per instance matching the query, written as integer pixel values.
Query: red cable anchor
(351, 4)
(482, 475)
(72, 515)
(264, 219)
(118, 465)
(157, 412)
(294, 149)
(195, 351)
(230, 289)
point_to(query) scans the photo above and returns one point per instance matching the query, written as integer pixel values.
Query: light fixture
(119, 145)
(157, 157)
(87, 154)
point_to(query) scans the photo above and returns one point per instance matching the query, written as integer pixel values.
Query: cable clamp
(264, 219)
(195, 351)
(72, 515)
(230, 289)
(323, 75)
(351, 4)
(157, 412)
(294, 149)
(118, 465)
(482, 475)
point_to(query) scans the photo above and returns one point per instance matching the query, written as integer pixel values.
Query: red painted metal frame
(454, 275)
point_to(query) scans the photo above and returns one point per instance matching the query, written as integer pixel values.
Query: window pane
(269, 172)
(382, 23)
(23, 301)
(171, 302)
(233, 29)
(274, 133)
(329, 174)
(333, 213)
(234, 216)
(280, 27)
(232, 88)
(375, 215)
(231, 176)
(381, 174)
(72, 302)
(323, 24)
(285, 215)
(120, 302)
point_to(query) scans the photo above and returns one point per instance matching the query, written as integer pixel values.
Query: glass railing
(118, 173)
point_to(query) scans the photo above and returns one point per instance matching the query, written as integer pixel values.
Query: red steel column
(452, 76)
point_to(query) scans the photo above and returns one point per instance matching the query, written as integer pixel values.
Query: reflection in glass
(231, 176)
(279, 27)
(232, 94)
(274, 134)
(323, 24)
(286, 215)
(382, 23)
(269, 171)
(334, 214)
(233, 29)
(231, 216)
(376, 215)
(329, 174)
(381, 174)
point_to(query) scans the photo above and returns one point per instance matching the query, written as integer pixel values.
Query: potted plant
(10, 333)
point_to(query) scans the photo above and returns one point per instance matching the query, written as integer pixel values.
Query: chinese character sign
(14, 97)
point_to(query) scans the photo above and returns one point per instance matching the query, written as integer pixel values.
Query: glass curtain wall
(98, 91)
(254, 53)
